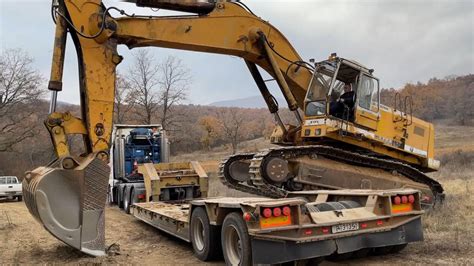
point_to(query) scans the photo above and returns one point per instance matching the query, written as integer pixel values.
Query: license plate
(345, 227)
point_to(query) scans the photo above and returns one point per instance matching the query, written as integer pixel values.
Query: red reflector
(379, 222)
(277, 212)
(411, 199)
(247, 217)
(325, 230)
(308, 232)
(267, 213)
(404, 199)
(364, 225)
(397, 200)
(141, 196)
(286, 211)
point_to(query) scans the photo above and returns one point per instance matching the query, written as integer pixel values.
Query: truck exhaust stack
(70, 202)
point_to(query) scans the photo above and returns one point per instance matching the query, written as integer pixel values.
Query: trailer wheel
(236, 241)
(126, 200)
(204, 236)
(19, 198)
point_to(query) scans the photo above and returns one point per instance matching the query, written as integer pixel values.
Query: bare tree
(232, 123)
(123, 100)
(174, 82)
(20, 92)
(144, 79)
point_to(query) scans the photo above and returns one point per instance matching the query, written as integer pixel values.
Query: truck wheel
(204, 236)
(126, 201)
(236, 241)
(120, 199)
(19, 198)
(132, 199)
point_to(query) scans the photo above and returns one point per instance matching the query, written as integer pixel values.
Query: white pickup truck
(10, 188)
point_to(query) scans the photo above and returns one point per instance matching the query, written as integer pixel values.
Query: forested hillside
(25, 143)
(450, 98)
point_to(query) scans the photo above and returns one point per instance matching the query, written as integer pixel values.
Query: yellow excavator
(342, 139)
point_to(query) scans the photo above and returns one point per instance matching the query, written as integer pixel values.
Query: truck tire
(120, 198)
(126, 201)
(132, 199)
(204, 236)
(19, 198)
(236, 241)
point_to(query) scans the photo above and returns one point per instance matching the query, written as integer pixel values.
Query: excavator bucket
(68, 197)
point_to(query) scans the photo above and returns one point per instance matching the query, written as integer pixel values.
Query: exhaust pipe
(201, 7)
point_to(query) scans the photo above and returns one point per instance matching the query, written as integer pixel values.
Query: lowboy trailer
(305, 226)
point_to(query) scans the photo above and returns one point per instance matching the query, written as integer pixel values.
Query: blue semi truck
(133, 145)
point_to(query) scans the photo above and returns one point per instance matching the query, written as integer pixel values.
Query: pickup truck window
(2, 181)
(11, 180)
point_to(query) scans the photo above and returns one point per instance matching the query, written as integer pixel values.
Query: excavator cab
(339, 88)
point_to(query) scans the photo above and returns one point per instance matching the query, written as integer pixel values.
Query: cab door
(368, 102)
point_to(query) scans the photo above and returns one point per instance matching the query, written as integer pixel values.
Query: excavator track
(261, 185)
(229, 181)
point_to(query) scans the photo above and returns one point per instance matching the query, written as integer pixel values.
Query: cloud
(403, 40)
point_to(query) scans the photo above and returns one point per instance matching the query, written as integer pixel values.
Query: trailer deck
(306, 225)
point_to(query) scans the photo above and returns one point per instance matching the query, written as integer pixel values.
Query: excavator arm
(69, 195)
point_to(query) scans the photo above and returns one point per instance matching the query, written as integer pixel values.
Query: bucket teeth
(70, 203)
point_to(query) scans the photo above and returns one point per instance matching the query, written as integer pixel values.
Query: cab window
(3, 181)
(368, 93)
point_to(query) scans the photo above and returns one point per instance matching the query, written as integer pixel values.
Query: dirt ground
(449, 232)
(23, 240)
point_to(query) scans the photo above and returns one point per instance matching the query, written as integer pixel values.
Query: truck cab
(134, 145)
(10, 188)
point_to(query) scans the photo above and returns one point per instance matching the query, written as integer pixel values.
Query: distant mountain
(249, 102)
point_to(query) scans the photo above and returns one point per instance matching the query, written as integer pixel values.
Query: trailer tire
(19, 198)
(204, 236)
(236, 240)
(126, 201)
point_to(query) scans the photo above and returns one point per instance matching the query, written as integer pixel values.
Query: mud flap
(407, 233)
(70, 203)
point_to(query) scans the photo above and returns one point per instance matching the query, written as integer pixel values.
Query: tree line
(451, 98)
(154, 91)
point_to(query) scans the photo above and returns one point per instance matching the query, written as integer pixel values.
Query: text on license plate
(345, 227)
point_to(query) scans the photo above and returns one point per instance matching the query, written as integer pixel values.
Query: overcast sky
(403, 40)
